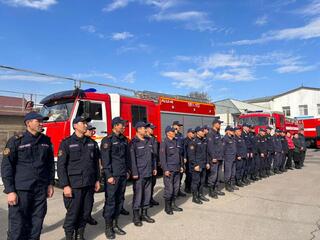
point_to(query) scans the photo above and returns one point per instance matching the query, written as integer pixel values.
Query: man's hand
(185, 161)
(181, 170)
(97, 186)
(251, 154)
(154, 172)
(197, 168)
(214, 160)
(208, 166)
(111, 180)
(128, 175)
(239, 158)
(50, 191)
(135, 177)
(262, 154)
(12, 198)
(67, 191)
(167, 173)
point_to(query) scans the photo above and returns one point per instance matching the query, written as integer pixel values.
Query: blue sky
(231, 49)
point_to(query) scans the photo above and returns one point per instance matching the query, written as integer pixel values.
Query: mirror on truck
(29, 105)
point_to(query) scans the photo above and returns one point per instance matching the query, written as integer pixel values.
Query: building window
(318, 107)
(303, 110)
(286, 111)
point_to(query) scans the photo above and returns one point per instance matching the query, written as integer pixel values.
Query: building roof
(12, 105)
(270, 98)
(237, 106)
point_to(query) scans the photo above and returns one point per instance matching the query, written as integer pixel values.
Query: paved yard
(281, 207)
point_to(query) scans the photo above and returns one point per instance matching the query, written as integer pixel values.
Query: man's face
(268, 131)
(206, 131)
(81, 127)
(171, 134)
(238, 133)
(201, 133)
(141, 131)
(301, 131)
(119, 127)
(262, 133)
(177, 128)
(245, 128)
(216, 126)
(190, 135)
(150, 131)
(35, 125)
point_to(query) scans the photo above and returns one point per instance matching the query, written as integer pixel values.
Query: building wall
(301, 97)
(9, 126)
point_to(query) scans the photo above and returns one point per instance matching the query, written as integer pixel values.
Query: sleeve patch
(60, 153)
(6, 151)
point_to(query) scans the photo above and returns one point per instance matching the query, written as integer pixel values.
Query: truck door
(96, 110)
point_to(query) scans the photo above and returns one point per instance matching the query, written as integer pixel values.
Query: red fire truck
(160, 109)
(311, 131)
(276, 120)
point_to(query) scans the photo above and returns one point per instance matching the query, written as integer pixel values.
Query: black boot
(80, 234)
(219, 192)
(137, 218)
(213, 193)
(124, 212)
(239, 183)
(195, 198)
(153, 203)
(233, 186)
(187, 190)
(229, 188)
(145, 217)
(201, 195)
(117, 229)
(92, 221)
(181, 194)
(109, 231)
(175, 207)
(69, 235)
(167, 207)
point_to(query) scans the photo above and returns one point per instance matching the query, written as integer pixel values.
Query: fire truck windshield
(255, 121)
(57, 111)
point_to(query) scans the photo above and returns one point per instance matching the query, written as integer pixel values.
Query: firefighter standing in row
(285, 150)
(215, 158)
(261, 153)
(241, 157)
(143, 167)
(277, 152)
(255, 162)
(190, 136)
(116, 166)
(303, 150)
(270, 148)
(27, 172)
(79, 172)
(155, 151)
(246, 135)
(197, 152)
(171, 164)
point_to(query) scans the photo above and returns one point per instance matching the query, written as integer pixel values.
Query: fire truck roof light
(92, 90)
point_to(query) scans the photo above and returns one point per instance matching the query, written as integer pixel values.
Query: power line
(65, 78)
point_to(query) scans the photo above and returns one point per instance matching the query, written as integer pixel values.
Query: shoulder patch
(6, 151)
(60, 153)
(105, 145)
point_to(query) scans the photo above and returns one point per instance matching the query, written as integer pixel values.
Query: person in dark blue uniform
(277, 152)
(241, 157)
(261, 154)
(171, 164)
(180, 138)
(155, 146)
(215, 158)
(115, 157)
(143, 167)
(78, 172)
(285, 150)
(302, 140)
(246, 135)
(229, 157)
(197, 153)
(27, 172)
(270, 149)
(255, 159)
(90, 133)
(187, 182)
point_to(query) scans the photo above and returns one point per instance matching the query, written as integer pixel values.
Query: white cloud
(313, 8)
(30, 78)
(308, 31)
(88, 28)
(129, 78)
(263, 20)
(194, 20)
(295, 69)
(141, 47)
(37, 4)
(121, 36)
(116, 4)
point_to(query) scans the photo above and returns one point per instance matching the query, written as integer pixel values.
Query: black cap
(198, 129)
(229, 128)
(139, 125)
(236, 128)
(34, 115)
(246, 125)
(206, 127)
(262, 130)
(252, 127)
(278, 131)
(169, 129)
(190, 130)
(177, 123)
(150, 125)
(90, 127)
(81, 119)
(216, 120)
(118, 120)
(269, 128)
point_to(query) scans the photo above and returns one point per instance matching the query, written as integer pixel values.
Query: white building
(229, 110)
(301, 102)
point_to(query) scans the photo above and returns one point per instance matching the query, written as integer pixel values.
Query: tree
(200, 95)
